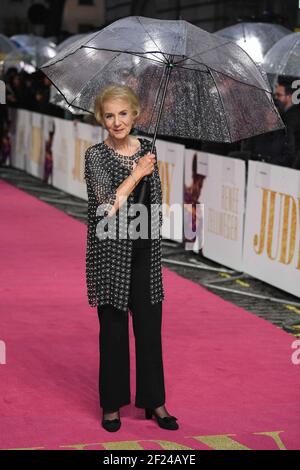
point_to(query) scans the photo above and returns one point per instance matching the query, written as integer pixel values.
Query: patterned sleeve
(99, 182)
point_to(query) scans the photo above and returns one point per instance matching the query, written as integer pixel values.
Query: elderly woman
(123, 265)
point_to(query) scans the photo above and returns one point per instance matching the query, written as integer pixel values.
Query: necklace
(126, 160)
(117, 153)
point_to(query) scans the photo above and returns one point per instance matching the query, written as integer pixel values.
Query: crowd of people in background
(281, 147)
(30, 91)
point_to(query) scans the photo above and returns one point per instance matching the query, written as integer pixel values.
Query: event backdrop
(249, 226)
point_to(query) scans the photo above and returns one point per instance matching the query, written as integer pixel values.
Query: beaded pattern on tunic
(108, 261)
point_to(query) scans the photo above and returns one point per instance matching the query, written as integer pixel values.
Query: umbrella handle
(166, 77)
(143, 192)
(145, 181)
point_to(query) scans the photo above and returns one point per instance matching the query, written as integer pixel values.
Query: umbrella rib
(186, 67)
(256, 66)
(81, 45)
(141, 55)
(193, 70)
(91, 78)
(96, 34)
(208, 50)
(178, 38)
(288, 56)
(106, 65)
(87, 46)
(228, 42)
(93, 37)
(137, 54)
(62, 58)
(70, 104)
(156, 100)
(221, 100)
(139, 20)
(230, 76)
(121, 39)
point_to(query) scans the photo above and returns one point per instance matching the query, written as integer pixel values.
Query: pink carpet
(229, 375)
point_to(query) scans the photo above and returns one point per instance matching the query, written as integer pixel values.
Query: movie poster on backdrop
(224, 205)
(193, 209)
(62, 150)
(8, 132)
(171, 166)
(272, 226)
(85, 135)
(35, 160)
(22, 137)
(48, 136)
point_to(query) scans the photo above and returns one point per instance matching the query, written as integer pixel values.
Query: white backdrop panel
(272, 228)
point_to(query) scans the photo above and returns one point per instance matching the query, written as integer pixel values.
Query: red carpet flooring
(229, 375)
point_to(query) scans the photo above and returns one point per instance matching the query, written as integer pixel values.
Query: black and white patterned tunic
(108, 261)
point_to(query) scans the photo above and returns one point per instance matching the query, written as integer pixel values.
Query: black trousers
(114, 372)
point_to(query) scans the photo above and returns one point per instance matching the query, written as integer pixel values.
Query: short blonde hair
(109, 92)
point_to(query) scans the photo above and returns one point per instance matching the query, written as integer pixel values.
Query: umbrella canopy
(284, 57)
(193, 83)
(255, 38)
(69, 41)
(6, 46)
(19, 59)
(31, 40)
(55, 96)
(39, 49)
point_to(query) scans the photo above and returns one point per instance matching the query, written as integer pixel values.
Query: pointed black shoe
(168, 422)
(111, 425)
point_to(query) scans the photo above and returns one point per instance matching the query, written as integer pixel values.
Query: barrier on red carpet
(272, 227)
(267, 247)
(219, 183)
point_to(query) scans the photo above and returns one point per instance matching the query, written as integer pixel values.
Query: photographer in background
(290, 113)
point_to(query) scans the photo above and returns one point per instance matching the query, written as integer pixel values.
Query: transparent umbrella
(255, 38)
(19, 59)
(69, 41)
(58, 99)
(31, 40)
(55, 96)
(284, 58)
(191, 83)
(38, 48)
(6, 45)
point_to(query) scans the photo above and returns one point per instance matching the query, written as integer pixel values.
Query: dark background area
(211, 15)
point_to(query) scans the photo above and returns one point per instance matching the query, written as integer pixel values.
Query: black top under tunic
(143, 242)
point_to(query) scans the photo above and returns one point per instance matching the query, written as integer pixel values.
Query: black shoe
(168, 422)
(111, 425)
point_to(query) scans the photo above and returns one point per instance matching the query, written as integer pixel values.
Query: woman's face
(118, 117)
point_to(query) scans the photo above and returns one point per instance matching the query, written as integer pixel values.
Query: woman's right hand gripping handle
(145, 165)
